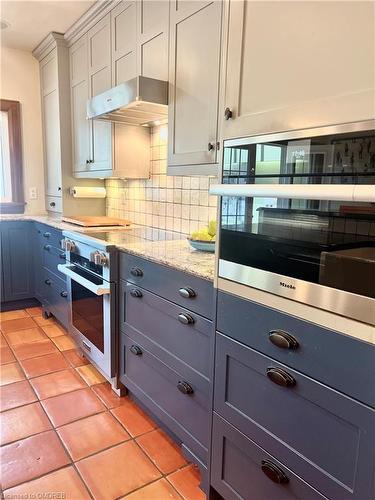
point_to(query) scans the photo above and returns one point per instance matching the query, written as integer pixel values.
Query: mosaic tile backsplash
(172, 203)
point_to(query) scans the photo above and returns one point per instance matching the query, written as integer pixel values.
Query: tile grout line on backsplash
(171, 203)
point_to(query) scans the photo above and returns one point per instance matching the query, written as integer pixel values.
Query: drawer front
(323, 354)
(54, 204)
(52, 257)
(181, 288)
(236, 471)
(55, 297)
(160, 383)
(322, 435)
(48, 235)
(169, 330)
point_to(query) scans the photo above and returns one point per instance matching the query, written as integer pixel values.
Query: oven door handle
(97, 289)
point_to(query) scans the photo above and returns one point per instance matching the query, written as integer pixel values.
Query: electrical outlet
(33, 193)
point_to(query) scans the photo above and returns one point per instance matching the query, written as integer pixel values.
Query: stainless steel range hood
(138, 101)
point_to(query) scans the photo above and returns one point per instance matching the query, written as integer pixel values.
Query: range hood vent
(140, 101)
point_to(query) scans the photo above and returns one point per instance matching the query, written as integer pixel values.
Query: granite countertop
(164, 247)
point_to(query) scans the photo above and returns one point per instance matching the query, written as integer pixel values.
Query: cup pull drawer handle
(136, 350)
(283, 339)
(185, 387)
(185, 319)
(280, 377)
(187, 293)
(135, 271)
(46, 234)
(48, 282)
(47, 247)
(134, 292)
(64, 294)
(273, 472)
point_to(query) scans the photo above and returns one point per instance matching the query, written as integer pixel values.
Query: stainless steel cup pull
(280, 377)
(47, 234)
(64, 294)
(273, 472)
(185, 319)
(48, 282)
(134, 292)
(185, 387)
(47, 247)
(187, 293)
(283, 339)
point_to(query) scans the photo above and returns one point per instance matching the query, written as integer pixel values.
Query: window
(11, 188)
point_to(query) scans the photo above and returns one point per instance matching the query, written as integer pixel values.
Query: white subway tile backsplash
(162, 202)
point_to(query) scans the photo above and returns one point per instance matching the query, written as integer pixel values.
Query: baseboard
(19, 304)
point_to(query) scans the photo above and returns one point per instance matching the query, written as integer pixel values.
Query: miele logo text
(286, 285)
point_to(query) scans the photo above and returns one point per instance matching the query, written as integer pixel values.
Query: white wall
(20, 82)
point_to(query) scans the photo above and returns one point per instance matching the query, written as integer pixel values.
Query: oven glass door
(88, 313)
(331, 243)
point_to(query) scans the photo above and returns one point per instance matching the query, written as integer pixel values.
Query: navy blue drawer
(323, 436)
(337, 360)
(55, 297)
(52, 257)
(48, 235)
(168, 282)
(159, 323)
(156, 385)
(236, 471)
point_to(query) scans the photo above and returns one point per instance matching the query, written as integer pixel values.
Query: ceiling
(30, 21)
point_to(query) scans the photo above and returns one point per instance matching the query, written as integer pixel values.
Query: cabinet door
(124, 42)
(283, 73)
(99, 50)
(194, 85)
(17, 261)
(51, 124)
(81, 127)
(153, 48)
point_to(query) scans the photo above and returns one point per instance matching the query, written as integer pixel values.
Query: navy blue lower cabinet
(325, 437)
(177, 401)
(337, 360)
(171, 331)
(243, 470)
(16, 261)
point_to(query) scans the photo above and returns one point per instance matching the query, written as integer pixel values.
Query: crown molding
(89, 19)
(51, 41)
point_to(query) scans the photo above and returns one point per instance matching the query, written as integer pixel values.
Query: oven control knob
(99, 259)
(69, 245)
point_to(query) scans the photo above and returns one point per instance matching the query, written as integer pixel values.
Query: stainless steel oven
(91, 292)
(297, 216)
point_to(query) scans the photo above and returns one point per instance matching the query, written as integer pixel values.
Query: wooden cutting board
(95, 221)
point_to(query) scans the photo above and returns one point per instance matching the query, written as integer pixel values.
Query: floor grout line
(107, 409)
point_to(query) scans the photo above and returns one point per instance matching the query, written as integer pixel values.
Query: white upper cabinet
(81, 127)
(194, 69)
(153, 40)
(99, 70)
(51, 124)
(124, 42)
(292, 65)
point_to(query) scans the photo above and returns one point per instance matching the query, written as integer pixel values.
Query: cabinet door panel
(153, 16)
(268, 91)
(99, 41)
(154, 57)
(194, 77)
(124, 36)
(81, 127)
(17, 261)
(48, 73)
(52, 145)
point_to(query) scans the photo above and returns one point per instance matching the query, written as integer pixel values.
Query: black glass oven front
(87, 310)
(325, 242)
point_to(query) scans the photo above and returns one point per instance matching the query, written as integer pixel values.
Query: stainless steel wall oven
(298, 216)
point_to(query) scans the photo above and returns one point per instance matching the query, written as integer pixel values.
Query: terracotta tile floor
(64, 431)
